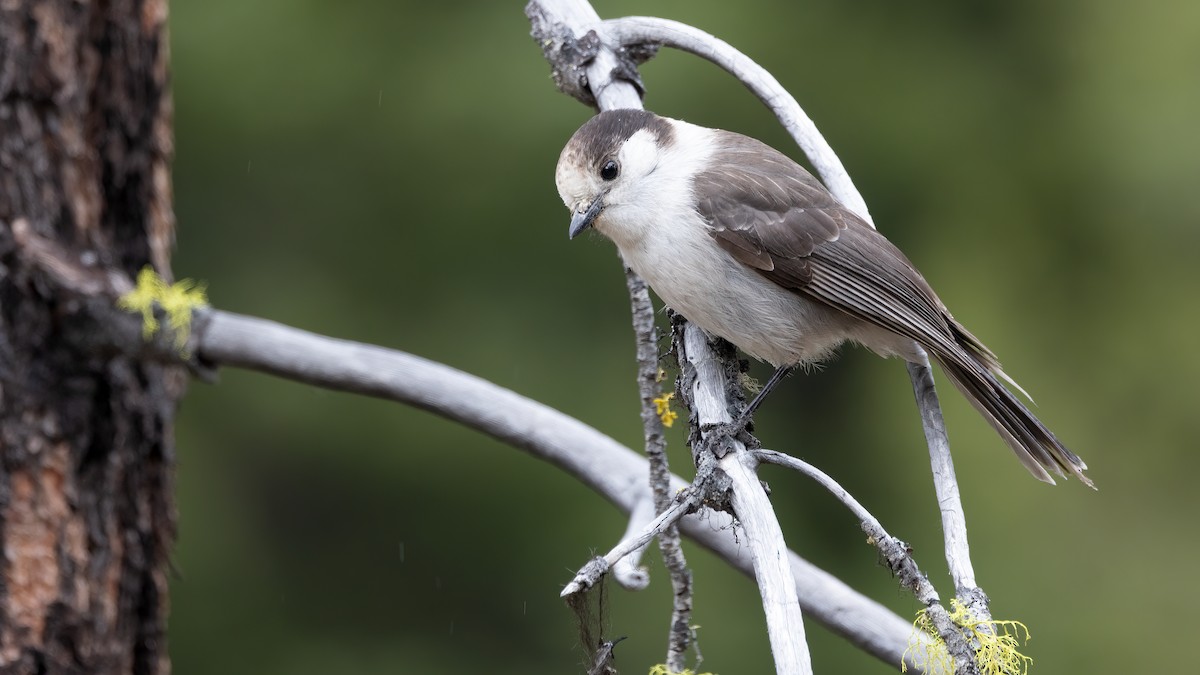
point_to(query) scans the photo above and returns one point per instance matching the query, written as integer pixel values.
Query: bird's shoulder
(766, 210)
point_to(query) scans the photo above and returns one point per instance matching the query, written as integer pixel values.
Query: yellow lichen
(177, 301)
(996, 642)
(928, 657)
(662, 406)
(661, 669)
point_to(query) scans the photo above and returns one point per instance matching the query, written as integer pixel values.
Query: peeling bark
(87, 513)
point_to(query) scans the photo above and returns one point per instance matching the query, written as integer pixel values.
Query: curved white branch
(609, 92)
(628, 571)
(633, 30)
(611, 469)
(825, 480)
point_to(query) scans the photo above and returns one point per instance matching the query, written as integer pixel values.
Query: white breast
(696, 278)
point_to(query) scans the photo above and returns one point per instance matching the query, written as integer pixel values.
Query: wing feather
(772, 215)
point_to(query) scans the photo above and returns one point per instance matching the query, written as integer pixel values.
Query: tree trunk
(87, 514)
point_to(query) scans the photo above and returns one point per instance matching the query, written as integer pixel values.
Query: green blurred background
(382, 171)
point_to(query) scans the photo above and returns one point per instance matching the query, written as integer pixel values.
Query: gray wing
(772, 215)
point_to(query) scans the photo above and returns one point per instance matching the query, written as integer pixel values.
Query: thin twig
(680, 633)
(954, 522)
(684, 503)
(824, 479)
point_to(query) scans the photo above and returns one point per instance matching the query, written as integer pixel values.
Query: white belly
(727, 299)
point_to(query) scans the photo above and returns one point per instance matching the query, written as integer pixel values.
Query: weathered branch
(954, 522)
(611, 469)
(614, 471)
(710, 382)
(590, 574)
(636, 30)
(680, 634)
(581, 65)
(894, 553)
(627, 571)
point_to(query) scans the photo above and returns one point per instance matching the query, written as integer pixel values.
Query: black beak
(582, 220)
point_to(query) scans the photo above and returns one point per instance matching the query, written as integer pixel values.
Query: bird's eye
(609, 170)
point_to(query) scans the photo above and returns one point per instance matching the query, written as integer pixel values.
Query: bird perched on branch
(749, 246)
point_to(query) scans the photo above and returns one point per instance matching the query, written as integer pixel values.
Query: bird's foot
(718, 438)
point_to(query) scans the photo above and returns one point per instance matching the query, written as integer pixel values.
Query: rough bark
(87, 514)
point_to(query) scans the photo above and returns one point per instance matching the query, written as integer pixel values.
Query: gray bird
(747, 245)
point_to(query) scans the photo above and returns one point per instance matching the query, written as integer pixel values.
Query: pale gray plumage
(745, 243)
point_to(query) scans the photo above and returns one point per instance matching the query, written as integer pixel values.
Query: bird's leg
(780, 373)
(721, 434)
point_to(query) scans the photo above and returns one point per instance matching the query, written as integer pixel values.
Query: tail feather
(1034, 444)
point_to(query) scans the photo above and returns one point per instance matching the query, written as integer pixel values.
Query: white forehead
(576, 177)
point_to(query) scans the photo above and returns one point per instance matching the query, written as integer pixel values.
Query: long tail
(974, 369)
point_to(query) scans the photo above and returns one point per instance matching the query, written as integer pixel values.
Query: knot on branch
(713, 485)
(570, 56)
(897, 556)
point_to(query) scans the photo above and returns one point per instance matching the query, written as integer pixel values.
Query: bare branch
(764, 539)
(954, 522)
(583, 67)
(633, 30)
(895, 554)
(680, 634)
(761, 532)
(824, 479)
(587, 577)
(628, 571)
(613, 470)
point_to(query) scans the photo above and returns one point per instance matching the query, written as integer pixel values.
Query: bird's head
(604, 173)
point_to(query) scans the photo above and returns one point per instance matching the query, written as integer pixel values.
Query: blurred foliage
(382, 171)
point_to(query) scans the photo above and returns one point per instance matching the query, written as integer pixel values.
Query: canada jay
(749, 246)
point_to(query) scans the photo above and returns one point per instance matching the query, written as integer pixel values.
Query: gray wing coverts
(773, 216)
